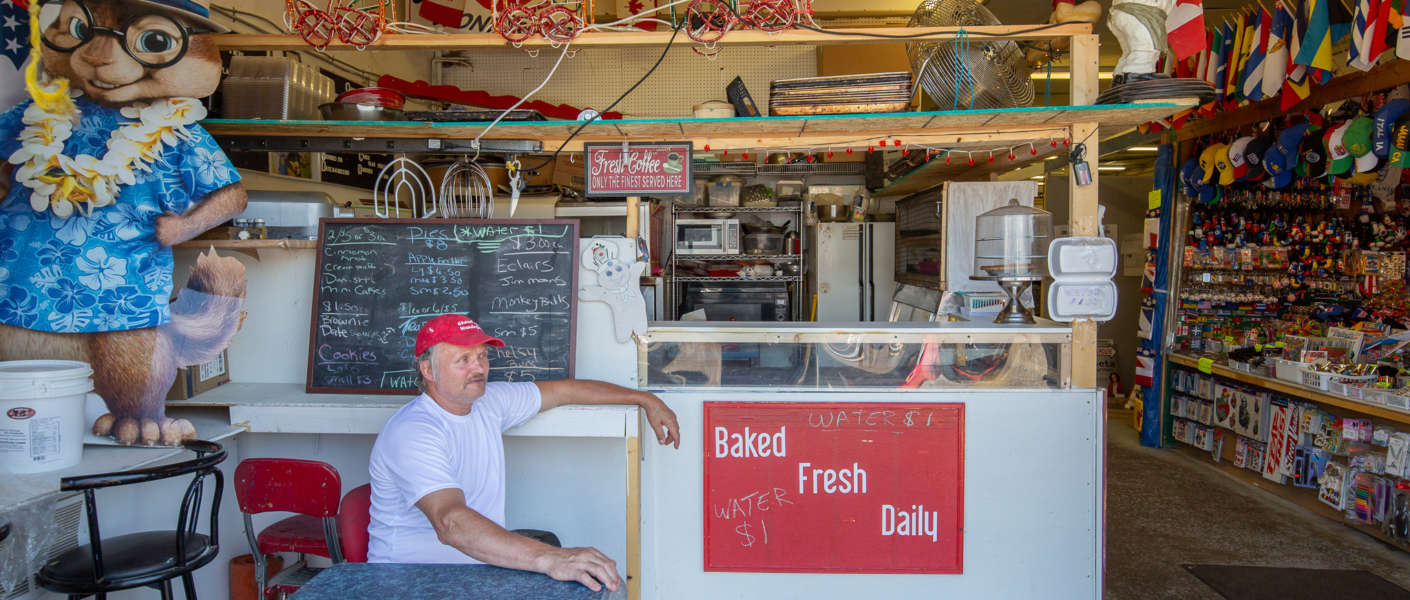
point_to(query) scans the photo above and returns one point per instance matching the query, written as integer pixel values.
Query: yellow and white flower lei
(60, 183)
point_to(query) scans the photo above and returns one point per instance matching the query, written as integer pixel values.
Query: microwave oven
(707, 236)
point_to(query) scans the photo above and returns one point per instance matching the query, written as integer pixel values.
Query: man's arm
(586, 391)
(466, 530)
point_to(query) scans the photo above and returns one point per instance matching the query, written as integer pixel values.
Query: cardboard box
(568, 171)
(199, 378)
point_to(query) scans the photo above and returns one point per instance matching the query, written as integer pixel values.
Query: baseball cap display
(1237, 158)
(1253, 157)
(1362, 178)
(1312, 154)
(1358, 143)
(1386, 118)
(1208, 162)
(459, 330)
(1339, 159)
(1282, 158)
(1400, 142)
(1221, 162)
(1190, 177)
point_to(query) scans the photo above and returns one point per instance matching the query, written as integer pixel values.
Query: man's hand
(662, 420)
(587, 566)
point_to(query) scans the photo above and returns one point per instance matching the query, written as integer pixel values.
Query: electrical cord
(664, 51)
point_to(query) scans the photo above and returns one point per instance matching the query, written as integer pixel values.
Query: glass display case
(831, 356)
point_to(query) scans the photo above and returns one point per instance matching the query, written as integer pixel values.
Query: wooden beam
(633, 565)
(1354, 84)
(1083, 221)
(633, 216)
(1082, 215)
(631, 39)
(1086, 50)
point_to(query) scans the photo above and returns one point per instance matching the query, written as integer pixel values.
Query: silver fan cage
(997, 75)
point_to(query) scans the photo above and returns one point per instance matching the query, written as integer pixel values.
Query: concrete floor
(1165, 509)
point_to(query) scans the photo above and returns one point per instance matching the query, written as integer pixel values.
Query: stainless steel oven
(742, 301)
(707, 236)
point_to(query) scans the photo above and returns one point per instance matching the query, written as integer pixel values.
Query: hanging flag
(14, 22)
(1275, 63)
(1402, 43)
(1251, 86)
(1295, 86)
(1380, 23)
(1296, 73)
(1338, 19)
(1224, 42)
(1315, 53)
(1185, 28)
(1220, 54)
(1202, 60)
(1358, 55)
(1231, 89)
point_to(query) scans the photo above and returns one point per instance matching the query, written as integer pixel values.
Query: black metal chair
(150, 558)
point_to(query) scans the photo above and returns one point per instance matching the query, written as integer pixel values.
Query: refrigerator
(851, 270)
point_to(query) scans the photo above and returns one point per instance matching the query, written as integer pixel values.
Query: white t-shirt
(423, 448)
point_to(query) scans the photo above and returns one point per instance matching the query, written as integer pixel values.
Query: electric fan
(968, 74)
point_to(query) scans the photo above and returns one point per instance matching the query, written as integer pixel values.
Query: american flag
(14, 32)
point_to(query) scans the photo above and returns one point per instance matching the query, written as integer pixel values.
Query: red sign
(834, 487)
(638, 169)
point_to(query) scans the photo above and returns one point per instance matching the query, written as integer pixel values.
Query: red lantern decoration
(746, 155)
(829, 154)
(707, 147)
(849, 149)
(971, 160)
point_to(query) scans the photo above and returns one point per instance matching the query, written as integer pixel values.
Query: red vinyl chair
(353, 518)
(308, 487)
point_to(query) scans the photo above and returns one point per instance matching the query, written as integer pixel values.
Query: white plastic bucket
(41, 414)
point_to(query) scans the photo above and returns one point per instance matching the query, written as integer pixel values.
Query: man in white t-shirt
(438, 465)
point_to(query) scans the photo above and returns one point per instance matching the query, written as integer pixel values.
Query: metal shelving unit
(795, 281)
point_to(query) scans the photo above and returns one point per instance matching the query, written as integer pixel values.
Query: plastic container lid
(1085, 258)
(25, 379)
(1072, 300)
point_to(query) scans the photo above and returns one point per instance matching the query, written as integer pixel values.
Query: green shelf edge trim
(687, 120)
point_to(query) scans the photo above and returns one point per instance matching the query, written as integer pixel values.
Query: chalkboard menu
(379, 280)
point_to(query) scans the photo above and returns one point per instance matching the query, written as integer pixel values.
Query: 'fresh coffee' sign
(652, 169)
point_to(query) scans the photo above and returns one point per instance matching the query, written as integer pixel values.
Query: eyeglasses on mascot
(101, 180)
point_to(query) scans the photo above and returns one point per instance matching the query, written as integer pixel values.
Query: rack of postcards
(1355, 465)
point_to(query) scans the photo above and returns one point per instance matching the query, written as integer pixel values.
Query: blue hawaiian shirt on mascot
(102, 271)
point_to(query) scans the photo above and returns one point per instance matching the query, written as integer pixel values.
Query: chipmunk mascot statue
(107, 169)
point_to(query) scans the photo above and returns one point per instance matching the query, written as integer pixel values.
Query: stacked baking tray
(841, 94)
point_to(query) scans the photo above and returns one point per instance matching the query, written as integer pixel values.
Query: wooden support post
(1084, 69)
(1083, 220)
(633, 216)
(633, 565)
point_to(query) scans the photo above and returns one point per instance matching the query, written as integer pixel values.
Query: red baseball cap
(455, 329)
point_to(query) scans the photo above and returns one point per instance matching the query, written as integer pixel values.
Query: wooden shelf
(249, 244)
(1296, 390)
(959, 129)
(655, 39)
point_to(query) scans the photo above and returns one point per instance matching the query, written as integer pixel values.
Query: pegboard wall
(594, 77)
